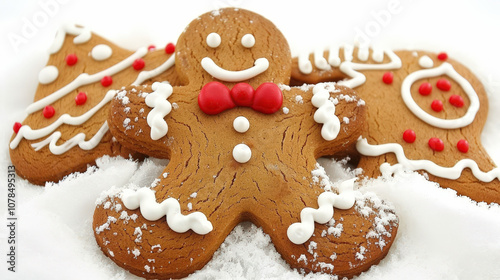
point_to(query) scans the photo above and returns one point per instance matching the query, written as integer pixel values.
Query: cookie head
(231, 46)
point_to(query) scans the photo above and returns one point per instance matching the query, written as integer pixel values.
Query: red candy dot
(442, 56)
(81, 98)
(71, 59)
(443, 84)
(436, 144)
(17, 126)
(388, 78)
(151, 48)
(106, 81)
(138, 64)
(437, 105)
(48, 112)
(463, 146)
(425, 89)
(170, 48)
(457, 101)
(242, 94)
(409, 136)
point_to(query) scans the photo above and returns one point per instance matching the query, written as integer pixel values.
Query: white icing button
(101, 52)
(213, 40)
(48, 74)
(248, 41)
(241, 124)
(242, 153)
(425, 62)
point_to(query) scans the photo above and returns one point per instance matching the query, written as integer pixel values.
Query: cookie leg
(151, 249)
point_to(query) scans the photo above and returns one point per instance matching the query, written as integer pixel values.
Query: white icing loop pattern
(325, 114)
(161, 107)
(404, 163)
(299, 233)
(260, 65)
(27, 133)
(145, 199)
(347, 66)
(447, 69)
(82, 34)
(78, 139)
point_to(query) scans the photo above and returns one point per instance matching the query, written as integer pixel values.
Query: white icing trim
(82, 34)
(161, 107)
(325, 114)
(78, 139)
(260, 65)
(27, 133)
(447, 69)
(347, 66)
(85, 79)
(146, 75)
(300, 232)
(319, 61)
(451, 173)
(145, 199)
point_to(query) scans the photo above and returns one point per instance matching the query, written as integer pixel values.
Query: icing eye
(213, 40)
(248, 40)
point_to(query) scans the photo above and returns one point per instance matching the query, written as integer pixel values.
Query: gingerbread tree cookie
(242, 146)
(426, 113)
(66, 127)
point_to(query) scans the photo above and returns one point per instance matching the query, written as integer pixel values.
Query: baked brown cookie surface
(66, 127)
(425, 113)
(242, 146)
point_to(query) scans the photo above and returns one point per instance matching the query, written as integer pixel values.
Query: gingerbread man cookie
(66, 127)
(242, 146)
(425, 113)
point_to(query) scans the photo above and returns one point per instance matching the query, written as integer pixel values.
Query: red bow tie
(215, 97)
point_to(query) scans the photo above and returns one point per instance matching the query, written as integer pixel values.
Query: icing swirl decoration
(300, 232)
(161, 107)
(145, 200)
(325, 114)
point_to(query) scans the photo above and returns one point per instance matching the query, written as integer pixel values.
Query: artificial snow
(440, 236)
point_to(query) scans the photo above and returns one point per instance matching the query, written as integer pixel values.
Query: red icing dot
(442, 56)
(409, 136)
(81, 98)
(463, 146)
(48, 112)
(436, 144)
(106, 81)
(17, 126)
(388, 78)
(425, 89)
(151, 48)
(138, 64)
(71, 59)
(457, 101)
(437, 105)
(170, 48)
(443, 84)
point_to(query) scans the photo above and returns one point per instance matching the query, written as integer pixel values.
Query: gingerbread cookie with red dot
(66, 128)
(425, 112)
(242, 146)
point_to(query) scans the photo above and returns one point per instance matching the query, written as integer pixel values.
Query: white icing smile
(260, 65)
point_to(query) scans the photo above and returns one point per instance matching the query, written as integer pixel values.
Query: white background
(441, 236)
